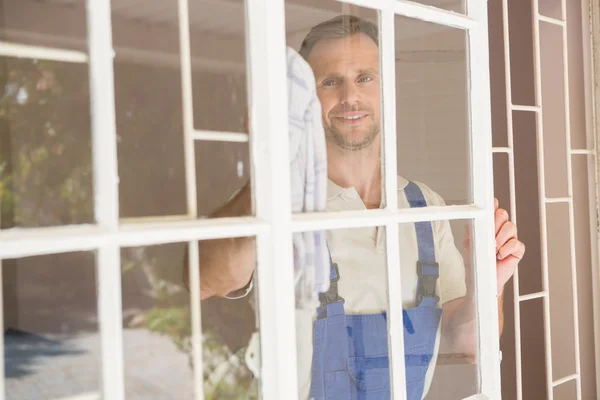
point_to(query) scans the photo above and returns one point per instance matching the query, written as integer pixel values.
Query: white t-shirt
(360, 255)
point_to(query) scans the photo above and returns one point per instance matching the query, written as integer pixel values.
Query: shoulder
(431, 196)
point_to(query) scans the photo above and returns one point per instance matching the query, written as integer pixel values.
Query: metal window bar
(106, 196)
(541, 197)
(220, 136)
(567, 109)
(515, 107)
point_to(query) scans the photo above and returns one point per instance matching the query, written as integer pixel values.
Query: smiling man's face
(347, 76)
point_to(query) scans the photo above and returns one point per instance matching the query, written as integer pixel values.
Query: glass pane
(432, 108)
(158, 329)
(341, 47)
(51, 333)
(149, 110)
(498, 66)
(45, 155)
(334, 348)
(55, 23)
(342, 341)
(458, 6)
(454, 373)
(218, 50)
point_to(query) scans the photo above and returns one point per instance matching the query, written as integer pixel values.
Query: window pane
(45, 155)
(456, 372)
(51, 336)
(346, 328)
(149, 108)
(55, 23)
(432, 108)
(341, 46)
(158, 329)
(342, 341)
(218, 50)
(458, 6)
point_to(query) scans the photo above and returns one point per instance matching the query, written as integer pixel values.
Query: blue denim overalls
(350, 353)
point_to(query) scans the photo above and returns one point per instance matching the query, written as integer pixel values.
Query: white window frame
(273, 223)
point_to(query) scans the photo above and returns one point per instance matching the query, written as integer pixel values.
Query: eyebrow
(362, 71)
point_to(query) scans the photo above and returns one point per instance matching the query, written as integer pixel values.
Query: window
(120, 229)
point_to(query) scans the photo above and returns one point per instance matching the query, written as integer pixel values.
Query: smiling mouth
(351, 119)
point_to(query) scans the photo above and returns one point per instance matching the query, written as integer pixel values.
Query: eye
(363, 79)
(330, 82)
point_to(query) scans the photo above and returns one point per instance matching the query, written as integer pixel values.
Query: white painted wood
(271, 185)
(41, 53)
(483, 189)
(106, 195)
(388, 150)
(418, 11)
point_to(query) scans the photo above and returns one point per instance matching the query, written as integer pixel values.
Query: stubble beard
(344, 142)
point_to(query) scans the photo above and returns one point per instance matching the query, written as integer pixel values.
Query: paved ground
(55, 367)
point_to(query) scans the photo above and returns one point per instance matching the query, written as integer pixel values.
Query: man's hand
(509, 250)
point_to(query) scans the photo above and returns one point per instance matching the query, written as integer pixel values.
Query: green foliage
(45, 155)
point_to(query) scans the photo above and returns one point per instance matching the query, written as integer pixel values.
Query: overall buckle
(331, 295)
(428, 273)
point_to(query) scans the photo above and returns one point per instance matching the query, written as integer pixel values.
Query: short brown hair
(336, 28)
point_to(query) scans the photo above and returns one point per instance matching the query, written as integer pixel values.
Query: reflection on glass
(51, 337)
(432, 107)
(158, 328)
(456, 372)
(221, 170)
(458, 6)
(60, 24)
(218, 50)
(340, 52)
(342, 338)
(149, 108)
(150, 140)
(45, 155)
(342, 341)
(347, 328)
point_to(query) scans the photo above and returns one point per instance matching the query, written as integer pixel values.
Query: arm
(226, 265)
(459, 315)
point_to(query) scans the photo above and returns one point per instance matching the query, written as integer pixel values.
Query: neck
(360, 169)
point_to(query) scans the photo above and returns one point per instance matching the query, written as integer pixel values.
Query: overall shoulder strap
(428, 270)
(330, 301)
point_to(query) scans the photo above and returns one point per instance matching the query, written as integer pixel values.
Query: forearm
(226, 265)
(459, 330)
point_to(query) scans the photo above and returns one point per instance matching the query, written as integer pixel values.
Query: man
(350, 326)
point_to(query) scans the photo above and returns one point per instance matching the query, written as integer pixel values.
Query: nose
(350, 94)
